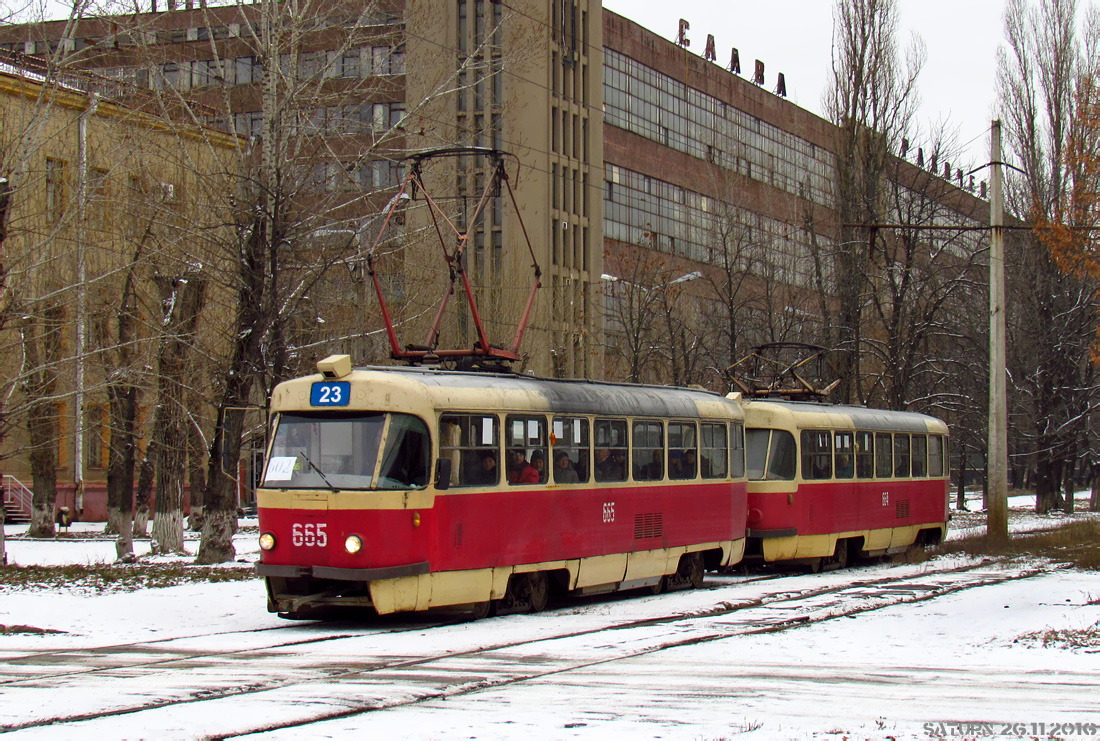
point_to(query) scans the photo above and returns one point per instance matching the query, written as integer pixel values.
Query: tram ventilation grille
(903, 509)
(649, 525)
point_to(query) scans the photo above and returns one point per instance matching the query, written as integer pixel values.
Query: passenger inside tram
(564, 473)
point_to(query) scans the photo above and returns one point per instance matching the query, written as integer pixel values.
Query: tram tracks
(380, 677)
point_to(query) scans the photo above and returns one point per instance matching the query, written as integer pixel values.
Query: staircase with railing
(17, 500)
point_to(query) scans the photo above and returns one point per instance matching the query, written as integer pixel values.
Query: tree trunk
(1094, 501)
(120, 467)
(220, 517)
(195, 471)
(5, 206)
(144, 494)
(171, 467)
(182, 299)
(1069, 472)
(257, 312)
(117, 359)
(42, 431)
(42, 345)
(1047, 484)
(960, 495)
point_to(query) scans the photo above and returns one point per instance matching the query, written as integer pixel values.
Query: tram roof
(808, 414)
(463, 390)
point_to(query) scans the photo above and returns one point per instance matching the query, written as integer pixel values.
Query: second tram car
(830, 482)
(402, 489)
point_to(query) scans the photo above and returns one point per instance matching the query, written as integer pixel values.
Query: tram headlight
(267, 542)
(353, 544)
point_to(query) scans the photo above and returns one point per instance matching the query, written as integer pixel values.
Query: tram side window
(771, 455)
(713, 451)
(472, 444)
(737, 450)
(525, 439)
(405, 462)
(611, 458)
(844, 449)
(920, 455)
(682, 450)
(865, 455)
(935, 455)
(884, 455)
(901, 455)
(570, 438)
(817, 454)
(649, 451)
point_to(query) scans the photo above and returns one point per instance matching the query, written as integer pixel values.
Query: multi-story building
(104, 203)
(707, 170)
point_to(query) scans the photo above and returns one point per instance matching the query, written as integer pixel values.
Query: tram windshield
(341, 451)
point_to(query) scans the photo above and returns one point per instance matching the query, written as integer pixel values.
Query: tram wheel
(481, 610)
(690, 573)
(538, 591)
(839, 559)
(660, 586)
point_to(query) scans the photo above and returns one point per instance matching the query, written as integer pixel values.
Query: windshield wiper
(319, 471)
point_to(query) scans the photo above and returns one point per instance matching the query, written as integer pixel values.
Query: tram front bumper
(336, 574)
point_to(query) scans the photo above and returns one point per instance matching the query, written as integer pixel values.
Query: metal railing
(17, 496)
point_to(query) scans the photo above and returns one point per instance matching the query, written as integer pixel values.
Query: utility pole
(996, 525)
(81, 297)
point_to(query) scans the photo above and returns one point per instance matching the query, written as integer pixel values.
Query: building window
(97, 437)
(55, 190)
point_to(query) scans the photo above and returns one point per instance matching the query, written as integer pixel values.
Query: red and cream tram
(829, 482)
(402, 489)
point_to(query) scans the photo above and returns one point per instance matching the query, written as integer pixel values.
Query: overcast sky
(795, 37)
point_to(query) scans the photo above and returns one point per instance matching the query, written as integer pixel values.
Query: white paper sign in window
(281, 468)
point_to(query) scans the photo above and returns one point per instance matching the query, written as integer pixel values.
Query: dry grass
(1076, 543)
(115, 577)
(1086, 639)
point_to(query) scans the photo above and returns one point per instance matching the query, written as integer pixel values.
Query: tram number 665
(608, 511)
(309, 534)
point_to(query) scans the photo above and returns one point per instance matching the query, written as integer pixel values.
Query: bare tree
(922, 273)
(871, 98)
(118, 352)
(1054, 321)
(5, 206)
(42, 327)
(312, 177)
(736, 279)
(630, 306)
(182, 299)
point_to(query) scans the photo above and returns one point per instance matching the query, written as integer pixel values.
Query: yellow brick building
(102, 196)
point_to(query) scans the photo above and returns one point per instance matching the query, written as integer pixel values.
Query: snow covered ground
(969, 664)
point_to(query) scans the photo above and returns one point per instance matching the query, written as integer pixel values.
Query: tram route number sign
(330, 394)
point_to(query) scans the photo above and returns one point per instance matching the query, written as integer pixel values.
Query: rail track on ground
(303, 674)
